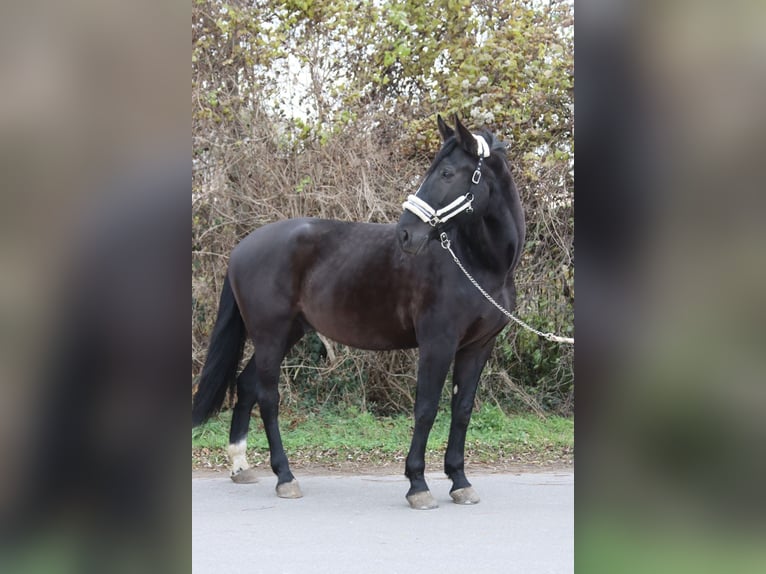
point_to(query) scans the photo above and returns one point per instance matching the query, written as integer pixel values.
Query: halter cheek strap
(435, 217)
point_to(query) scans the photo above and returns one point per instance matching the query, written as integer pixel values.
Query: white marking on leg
(454, 390)
(238, 456)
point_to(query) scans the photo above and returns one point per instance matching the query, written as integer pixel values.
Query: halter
(435, 217)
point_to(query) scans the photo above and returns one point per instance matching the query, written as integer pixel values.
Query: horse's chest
(478, 319)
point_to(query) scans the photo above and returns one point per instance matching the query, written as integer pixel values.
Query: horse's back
(303, 239)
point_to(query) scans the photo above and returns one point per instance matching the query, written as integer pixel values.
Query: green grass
(351, 435)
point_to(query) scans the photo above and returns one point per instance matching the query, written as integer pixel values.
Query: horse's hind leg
(268, 360)
(271, 346)
(240, 421)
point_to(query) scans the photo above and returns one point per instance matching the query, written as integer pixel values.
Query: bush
(328, 109)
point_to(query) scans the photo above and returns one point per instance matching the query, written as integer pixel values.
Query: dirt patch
(206, 464)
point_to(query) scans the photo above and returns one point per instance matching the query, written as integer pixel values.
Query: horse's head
(456, 187)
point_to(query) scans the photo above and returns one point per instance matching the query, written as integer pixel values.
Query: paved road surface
(362, 524)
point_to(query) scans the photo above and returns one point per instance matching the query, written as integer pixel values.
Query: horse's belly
(374, 331)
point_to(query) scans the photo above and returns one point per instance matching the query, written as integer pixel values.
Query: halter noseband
(435, 217)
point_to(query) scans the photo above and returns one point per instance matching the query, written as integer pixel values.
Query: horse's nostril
(405, 236)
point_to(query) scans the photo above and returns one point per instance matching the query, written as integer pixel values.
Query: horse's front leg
(469, 363)
(433, 365)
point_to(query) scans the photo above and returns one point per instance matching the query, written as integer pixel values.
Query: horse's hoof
(244, 476)
(289, 490)
(465, 495)
(422, 500)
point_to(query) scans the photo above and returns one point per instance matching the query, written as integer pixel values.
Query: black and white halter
(436, 217)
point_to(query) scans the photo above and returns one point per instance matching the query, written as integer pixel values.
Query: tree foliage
(327, 108)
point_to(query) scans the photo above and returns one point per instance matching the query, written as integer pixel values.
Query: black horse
(376, 287)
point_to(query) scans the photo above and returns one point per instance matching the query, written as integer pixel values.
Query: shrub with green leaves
(327, 109)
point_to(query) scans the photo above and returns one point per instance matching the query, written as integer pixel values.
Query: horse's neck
(490, 243)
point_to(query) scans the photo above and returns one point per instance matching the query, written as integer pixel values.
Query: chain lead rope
(446, 244)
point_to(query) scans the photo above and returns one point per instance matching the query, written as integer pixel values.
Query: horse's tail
(225, 351)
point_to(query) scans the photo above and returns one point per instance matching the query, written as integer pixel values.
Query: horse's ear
(444, 130)
(465, 138)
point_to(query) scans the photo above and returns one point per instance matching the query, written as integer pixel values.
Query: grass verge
(351, 438)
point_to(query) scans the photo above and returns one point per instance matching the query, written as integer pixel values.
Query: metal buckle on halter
(444, 240)
(469, 199)
(434, 221)
(476, 176)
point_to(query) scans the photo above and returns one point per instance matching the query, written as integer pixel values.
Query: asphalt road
(362, 524)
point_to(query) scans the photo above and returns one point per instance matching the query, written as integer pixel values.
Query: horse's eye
(447, 173)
